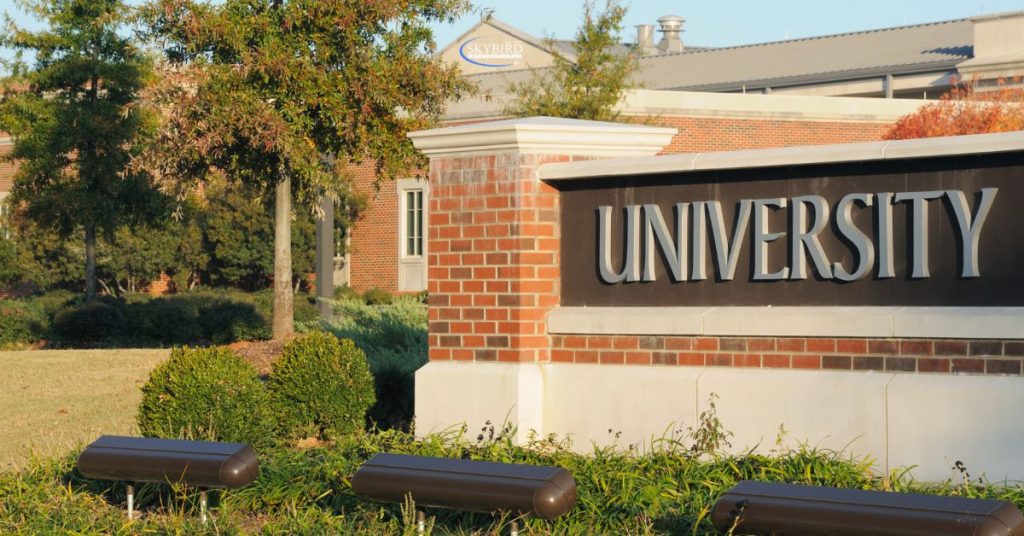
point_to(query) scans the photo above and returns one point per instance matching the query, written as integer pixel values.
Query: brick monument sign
(862, 296)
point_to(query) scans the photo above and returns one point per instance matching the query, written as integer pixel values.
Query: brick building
(830, 89)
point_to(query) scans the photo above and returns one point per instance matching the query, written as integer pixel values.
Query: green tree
(73, 120)
(43, 257)
(589, 85)
(239, 230)
(288, 94)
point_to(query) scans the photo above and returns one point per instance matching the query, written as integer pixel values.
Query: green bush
(89, 324)
(305, 310)
(199, 317)
(225, 320)
(321, 387)
(206, 393)
(21, 322)
(394, 373)
(345, 292)
(402, 325)
(394, 339)
(377, 296)
(164, 321)
(55, 301)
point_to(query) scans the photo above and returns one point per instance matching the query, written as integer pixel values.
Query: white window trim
(403, 186)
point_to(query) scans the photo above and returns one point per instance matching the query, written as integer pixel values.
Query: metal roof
(901, 50)
(932, 47)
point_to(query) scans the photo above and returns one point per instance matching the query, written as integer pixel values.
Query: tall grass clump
(394, 339)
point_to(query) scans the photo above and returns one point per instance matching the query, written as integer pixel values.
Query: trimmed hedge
(194, 318)
(206, 393)
(90, 324)
(321, 387)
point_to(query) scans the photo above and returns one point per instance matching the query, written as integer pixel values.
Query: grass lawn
(54, 400)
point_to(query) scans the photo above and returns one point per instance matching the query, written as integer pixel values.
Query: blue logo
(488, 52)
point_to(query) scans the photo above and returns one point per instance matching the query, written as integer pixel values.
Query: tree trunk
(283, 323)
(90, 262)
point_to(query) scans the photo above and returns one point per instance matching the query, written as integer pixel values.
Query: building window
(413, 223)
(413, 202)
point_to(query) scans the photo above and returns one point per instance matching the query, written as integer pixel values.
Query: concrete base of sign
(896, 420)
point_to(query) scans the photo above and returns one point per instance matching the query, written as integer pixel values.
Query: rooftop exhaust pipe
(645, 40)
(671, 29)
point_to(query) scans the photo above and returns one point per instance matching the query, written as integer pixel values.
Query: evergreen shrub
(230, 317)
(90, 323)
(209, 394)
(394, 339)
(377, 296)
(162, 321)
(321, 387)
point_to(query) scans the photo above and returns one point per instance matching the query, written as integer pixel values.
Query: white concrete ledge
(928, 421)
(776, 107)
(544, 135)
(787, 156)
(627, 321)
(973, 323)
(875, 322)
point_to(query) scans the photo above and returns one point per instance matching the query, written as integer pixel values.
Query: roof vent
(671, 29)
(645, 40)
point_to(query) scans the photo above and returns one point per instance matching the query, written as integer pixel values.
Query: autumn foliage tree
(965, 109)
(287, 95)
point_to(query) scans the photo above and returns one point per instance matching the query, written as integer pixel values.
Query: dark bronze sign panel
(922, 232)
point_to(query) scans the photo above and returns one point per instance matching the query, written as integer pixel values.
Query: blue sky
(734, 22)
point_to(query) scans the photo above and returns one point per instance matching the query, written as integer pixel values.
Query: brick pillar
(493, 245)
(493, 262)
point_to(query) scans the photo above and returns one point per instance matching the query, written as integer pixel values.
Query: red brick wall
(494, 274)
(493, 262)
(373, 247)
(374, 243)
(703, 134)
(895, 355)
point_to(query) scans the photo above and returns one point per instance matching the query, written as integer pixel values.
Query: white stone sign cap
(545, 135)
(789, 156)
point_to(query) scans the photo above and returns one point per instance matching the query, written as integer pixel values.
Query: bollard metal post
(202, 506)
(130, 490)
(421, 522)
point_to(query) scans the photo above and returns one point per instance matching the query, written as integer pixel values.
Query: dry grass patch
(52, 401)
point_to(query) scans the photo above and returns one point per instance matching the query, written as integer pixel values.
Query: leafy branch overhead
(254, 89)
(589, 85)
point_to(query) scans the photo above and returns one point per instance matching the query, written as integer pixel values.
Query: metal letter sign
(864, 235)
(803, 241)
